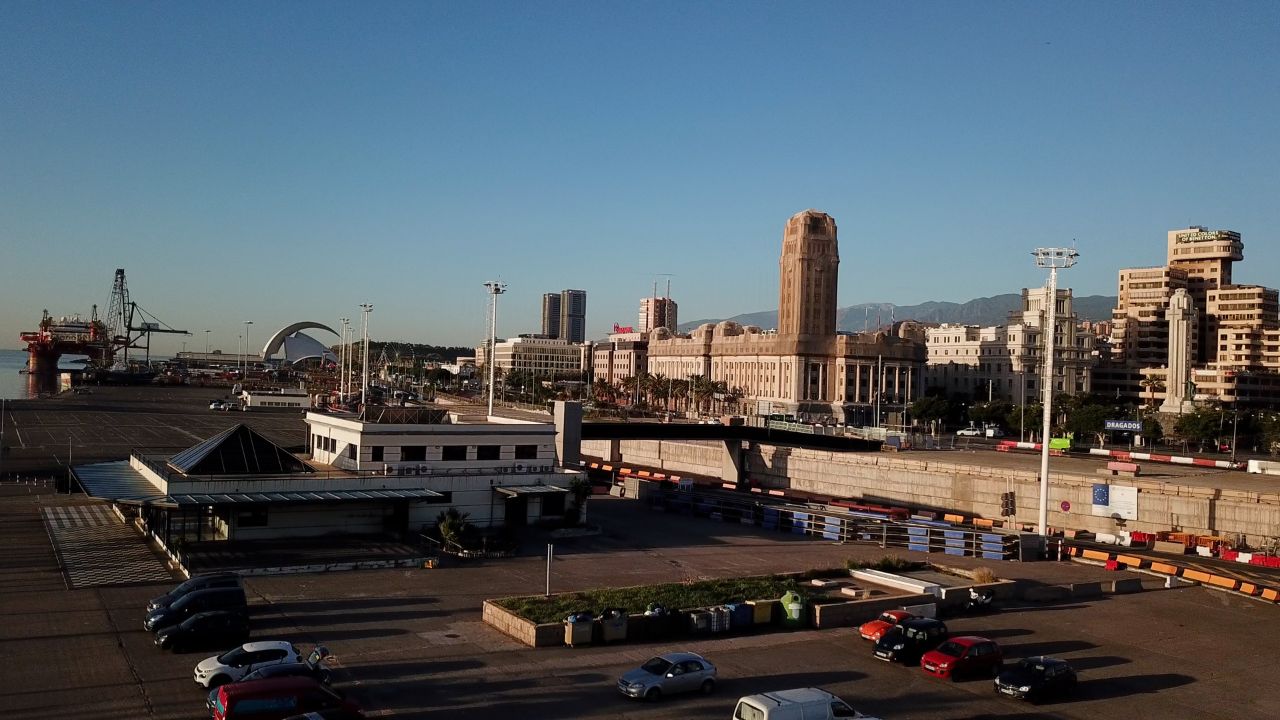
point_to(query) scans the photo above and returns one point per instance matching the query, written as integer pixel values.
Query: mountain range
(980, 311)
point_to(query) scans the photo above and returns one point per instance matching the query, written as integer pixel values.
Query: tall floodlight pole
(206, 344)
(342, 361)
(366, 308)
(495, 289)
(1052, 258)
(247, 323)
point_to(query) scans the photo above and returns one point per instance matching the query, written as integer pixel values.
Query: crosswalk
(95, 548)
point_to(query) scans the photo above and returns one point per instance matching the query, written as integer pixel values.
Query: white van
(798, 704)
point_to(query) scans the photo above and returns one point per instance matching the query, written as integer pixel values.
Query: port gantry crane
(121, 313)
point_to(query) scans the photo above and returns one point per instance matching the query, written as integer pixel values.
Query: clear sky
(287, 161)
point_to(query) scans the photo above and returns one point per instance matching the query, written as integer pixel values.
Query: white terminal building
(389, 472)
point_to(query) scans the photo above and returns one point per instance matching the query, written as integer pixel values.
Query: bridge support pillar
(615, 451)
(731, 461)
(568, 419)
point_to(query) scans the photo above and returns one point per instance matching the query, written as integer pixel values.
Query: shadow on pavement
(1050, 647)
(392, 671)
(1117, 687)
(1099, 661)
(336, 605)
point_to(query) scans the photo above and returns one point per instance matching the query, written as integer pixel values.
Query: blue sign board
(1130, 425)
(1101, 494)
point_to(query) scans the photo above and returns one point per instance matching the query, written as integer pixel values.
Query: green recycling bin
(793, 609)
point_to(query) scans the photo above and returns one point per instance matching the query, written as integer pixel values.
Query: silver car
(669, 674)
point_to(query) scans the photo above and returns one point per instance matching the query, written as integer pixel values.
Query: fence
(841, 526)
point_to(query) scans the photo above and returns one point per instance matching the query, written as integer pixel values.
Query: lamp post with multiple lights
(365, 308)
(495, 289)
(1053, 259)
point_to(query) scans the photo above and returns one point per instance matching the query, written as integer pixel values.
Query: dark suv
(909, 640)
(197, 582)
(228, 599)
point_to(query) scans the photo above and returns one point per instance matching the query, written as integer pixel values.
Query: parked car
(197, 582)
(873, 629)
(965, 656)
(909, 640)
(276, 699)
(203, 630)
(227, 598)
(669, 674)
(234, 664)
(312, 666)
(218, 405)
(797, 704)
(969, 432)
(1036, 679)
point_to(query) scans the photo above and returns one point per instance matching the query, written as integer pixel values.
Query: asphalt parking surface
(410, 643)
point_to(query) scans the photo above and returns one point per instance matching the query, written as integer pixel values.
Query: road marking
(95, 548)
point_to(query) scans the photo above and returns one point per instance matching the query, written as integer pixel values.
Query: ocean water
(17, 386)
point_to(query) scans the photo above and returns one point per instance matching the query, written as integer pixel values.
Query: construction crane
(121, 326)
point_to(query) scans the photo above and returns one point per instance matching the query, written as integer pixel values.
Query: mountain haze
(980, 311)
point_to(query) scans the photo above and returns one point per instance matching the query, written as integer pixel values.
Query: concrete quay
(1203, 501)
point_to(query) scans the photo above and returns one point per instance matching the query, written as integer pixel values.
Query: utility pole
(1052, 258)
(342, 361)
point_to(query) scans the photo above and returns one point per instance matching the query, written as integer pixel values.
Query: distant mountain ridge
(979, 311)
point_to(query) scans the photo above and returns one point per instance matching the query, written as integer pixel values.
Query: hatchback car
(312, 667)
(204, 630)
(873, 629)
(234, 664)
(276, 699)
(969, 432)
(910, 639)
(669, 674)
(1036, 679)
(965, 656)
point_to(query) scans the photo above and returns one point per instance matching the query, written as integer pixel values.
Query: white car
(217, 405)
(969, 432)
(234, 664)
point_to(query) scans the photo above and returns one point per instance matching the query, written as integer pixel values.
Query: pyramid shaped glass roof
(237, 451)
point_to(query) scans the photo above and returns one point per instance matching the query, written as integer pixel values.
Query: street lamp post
(366, 308)
(1052, 258)
(495, 289)
(342, 362)
(247, 323)
(206, 343)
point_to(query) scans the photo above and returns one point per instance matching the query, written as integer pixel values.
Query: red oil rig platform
(127, 326)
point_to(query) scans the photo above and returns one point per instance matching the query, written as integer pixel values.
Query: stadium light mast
(495, 289)
(1054, 259)
(365, 308)
(342, 362)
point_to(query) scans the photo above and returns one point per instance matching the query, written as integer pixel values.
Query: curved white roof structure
(296, 345)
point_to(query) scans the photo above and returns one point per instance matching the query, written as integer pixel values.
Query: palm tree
(660, 388)
(700, 388)
(1151, 383)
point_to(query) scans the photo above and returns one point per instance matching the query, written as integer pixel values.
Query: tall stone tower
(808, 271)
(1181, 314)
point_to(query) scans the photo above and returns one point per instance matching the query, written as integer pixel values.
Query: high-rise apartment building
(551, 315)
(656, 312)
(573, 316)
(1233, 327)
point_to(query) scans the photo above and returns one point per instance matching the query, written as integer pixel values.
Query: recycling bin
(613, 625)
(793, 609)
(763, 612)
(578, 628)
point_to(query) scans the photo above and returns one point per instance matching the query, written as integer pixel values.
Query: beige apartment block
(538, 355)
(622, 356)
(1004, 361)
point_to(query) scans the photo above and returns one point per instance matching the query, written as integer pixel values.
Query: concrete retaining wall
(853, 613)
(521, 630)
(949, 483)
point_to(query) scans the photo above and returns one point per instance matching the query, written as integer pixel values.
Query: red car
(873, 629)
(965, 656)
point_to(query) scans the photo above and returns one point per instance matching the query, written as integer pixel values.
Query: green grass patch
(673, 596)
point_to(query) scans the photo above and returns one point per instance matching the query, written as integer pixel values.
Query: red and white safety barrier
(1015, 445)
(1173, 459)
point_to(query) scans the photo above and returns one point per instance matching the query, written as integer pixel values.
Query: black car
(230, 599)
(313, 667)
(910, 639)
(1036, 679)
(197, 582)
(218, 628)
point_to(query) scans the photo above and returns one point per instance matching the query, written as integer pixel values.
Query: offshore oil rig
(106, 344)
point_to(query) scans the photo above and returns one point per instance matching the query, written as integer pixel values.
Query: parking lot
(410, 643)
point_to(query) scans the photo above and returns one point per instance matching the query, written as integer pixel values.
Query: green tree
(931, 410)
(1201, 426)
(1090, 420)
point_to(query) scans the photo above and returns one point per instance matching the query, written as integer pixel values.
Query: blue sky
(289, 160)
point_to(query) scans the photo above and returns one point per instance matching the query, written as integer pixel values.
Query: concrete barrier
(1085, 589)
(1126, 586)
(879, 577)
(1195, 575)
(852, 613)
